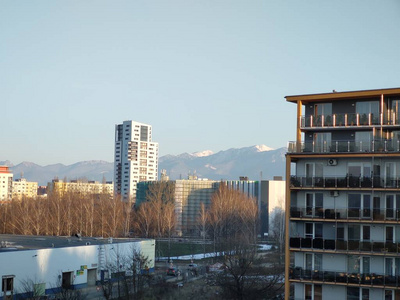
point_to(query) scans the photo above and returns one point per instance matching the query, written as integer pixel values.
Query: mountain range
(255, 162)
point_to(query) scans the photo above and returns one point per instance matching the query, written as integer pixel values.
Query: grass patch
(180, 248)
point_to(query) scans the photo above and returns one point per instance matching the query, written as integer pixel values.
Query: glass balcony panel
(365, 246)
(391, 247)
(341, 245)
(353, 213)
(329, 244)
(306, 243)
(378, 247)
(353, 245)
(318, 243)
(294, 242)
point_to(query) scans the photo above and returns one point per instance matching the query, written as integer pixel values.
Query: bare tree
(202, 222)
(278, 231)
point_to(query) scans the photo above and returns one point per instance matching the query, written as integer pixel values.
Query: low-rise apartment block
(23, 188)
(79, 186)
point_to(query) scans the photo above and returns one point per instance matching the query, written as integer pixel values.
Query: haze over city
(207, 75)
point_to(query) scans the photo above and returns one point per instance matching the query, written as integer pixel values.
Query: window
(7, 283)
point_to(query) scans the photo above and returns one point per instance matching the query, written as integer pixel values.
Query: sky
(206, 74)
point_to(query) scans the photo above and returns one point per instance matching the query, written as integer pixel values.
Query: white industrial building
(136, 158)
(72, 262)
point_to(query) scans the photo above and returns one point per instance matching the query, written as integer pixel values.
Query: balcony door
(392, 266)
(323, 114)
(314, 174)
(390, 174)
(313, 230)
(312, 291)
(368, 112)
(392, 206)
(364, 141)
(359, 205)
(313, 261)
(359, 174)
(389, 234)
(314, 204)
(377, 213)
(395, 111)
(322, 141)
(358, 264)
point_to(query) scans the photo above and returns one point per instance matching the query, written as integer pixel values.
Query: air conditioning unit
(334, 193)
(332, 162)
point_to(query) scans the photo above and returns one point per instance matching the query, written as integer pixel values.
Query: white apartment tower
(136, 158)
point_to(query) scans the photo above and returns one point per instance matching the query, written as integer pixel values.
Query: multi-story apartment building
(136, 158)
(190, 194)
(343, 197)
(78, 186)
(6, 178)
(23, 188)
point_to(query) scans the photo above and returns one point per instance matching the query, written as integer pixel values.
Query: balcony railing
(299, 273)
(388, 214)
(342, 245)
(344, 182)
(344, 146)
(347, 120)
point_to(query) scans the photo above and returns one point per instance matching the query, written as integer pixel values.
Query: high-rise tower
(136, 158)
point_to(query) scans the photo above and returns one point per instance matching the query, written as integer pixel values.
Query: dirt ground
(197, 289)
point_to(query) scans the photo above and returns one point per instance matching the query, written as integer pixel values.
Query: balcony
(298, 273)
(348, 120)
(350, 214)
(345, 146)
(344, 246)
(335, 182)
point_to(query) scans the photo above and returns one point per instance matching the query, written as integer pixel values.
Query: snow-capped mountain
(253, 162)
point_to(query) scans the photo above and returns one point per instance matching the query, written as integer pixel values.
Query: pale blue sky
(206, 74)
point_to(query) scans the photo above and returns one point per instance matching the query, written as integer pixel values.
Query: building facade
(6, 178)
(190, 194)
(78, 186)
(136, 158)
(343, 197)
(272, 206)
(51, 263)
(23, 188)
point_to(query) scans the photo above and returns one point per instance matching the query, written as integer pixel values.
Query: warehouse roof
(10, 242)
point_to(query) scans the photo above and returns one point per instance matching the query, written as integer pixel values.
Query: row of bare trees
(69, 213)
(66, 214)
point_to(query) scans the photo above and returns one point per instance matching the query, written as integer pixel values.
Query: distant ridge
(227, 164)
